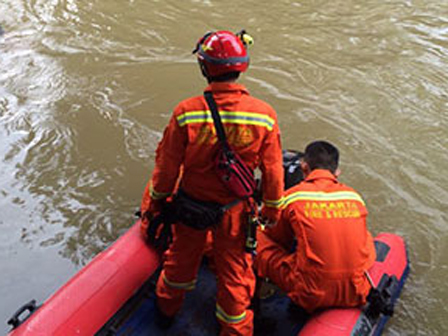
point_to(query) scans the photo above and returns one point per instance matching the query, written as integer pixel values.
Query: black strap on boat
(15, 320)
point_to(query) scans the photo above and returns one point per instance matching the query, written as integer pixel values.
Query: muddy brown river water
(86, 88)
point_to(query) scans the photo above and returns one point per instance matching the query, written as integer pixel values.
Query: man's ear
(305, 168)
(337, 173)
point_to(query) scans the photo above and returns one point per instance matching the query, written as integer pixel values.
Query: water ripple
(86, 88)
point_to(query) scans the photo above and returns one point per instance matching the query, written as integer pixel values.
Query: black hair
(233, 75)
(322, 155)
(225, 77)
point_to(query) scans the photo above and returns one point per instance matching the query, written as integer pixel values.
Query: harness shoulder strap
(216, 119)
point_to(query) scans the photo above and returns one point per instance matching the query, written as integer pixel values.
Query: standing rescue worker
(190, 142)
(334, 247)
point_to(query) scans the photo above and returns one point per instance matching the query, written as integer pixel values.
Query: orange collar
(318, 174)
(226, 87)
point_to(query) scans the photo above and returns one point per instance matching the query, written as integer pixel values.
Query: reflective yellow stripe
(322, 196)
(230, 319)
(179, 285)
(157, 195)
(234, 117)
(275, 203)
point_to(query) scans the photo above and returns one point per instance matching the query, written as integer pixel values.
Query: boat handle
(15, 320)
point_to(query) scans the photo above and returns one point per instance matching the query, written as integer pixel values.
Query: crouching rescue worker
(190, 141)
(334, 246)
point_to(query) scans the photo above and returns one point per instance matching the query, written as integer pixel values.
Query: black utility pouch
(196, 214)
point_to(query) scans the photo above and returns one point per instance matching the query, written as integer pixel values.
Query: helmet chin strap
(204, 71)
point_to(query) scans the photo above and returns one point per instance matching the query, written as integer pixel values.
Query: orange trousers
(233, 267)
(312, 290)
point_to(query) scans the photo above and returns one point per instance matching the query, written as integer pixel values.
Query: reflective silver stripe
(323, 196)
(227, 117)
(157, 195)
(179, 285)
(274, 203)
(227, 318)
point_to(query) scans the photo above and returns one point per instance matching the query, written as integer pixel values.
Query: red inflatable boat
(113, 295)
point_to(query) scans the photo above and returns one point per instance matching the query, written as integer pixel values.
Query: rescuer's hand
(269, 216)
(144, 224)
(155, 208)
(266, 222)
(149, 208)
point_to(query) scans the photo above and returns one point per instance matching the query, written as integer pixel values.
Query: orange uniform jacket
(334, 247)
(190, 141)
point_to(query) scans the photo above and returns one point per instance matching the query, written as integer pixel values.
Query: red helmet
(222, 52)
